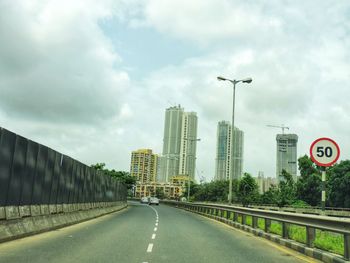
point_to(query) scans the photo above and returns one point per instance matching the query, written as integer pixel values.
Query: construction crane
(281, 127)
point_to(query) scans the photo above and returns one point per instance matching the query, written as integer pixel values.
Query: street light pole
(234, 82)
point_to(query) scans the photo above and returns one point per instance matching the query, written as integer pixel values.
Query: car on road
(144, 200)
(153, 201)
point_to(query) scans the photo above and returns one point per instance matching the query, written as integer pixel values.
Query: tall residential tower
(179, 144)
(143, 165)
(223, 152)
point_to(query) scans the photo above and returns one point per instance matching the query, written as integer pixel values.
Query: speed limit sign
(324, 152)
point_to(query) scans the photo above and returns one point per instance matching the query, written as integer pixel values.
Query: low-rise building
(168, 190)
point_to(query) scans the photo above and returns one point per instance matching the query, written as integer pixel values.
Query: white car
(153, 201)
(144, 200)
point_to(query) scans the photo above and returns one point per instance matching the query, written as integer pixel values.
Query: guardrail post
(243, 219)
(310, 236)
(254, 221)
(235, 217)
(267, 225)
(228, 213)
(285, 232)
(347, 246)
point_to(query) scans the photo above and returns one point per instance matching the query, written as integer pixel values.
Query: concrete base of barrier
(302, 248)
(12, 226)
(2, 213)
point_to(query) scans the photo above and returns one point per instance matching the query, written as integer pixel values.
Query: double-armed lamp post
(234, 82)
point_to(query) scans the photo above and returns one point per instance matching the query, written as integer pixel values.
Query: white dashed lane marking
(153, 236)
(155, 229)
(150, 247)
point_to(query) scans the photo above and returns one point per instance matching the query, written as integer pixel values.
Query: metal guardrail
(310, 222)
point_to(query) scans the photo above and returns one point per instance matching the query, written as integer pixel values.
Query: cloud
(62, 81)
(56, 63)
(207, 20)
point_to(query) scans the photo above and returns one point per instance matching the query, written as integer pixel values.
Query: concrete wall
(20, 221)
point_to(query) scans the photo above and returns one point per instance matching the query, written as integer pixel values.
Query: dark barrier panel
(7, 148)
(28, 179)
(68, 171)
(92, 184)
(55, 178)
(39, 175)
(103, 188)
(98, 196)
(17, 171)
(70, 184)
(87, 179)
(81, 179)
(47, 183)
(31, 173)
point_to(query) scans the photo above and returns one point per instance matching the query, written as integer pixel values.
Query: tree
(120, 175)
(215, 191)
(286, 190)
(338, 185)
(270, 197)
(247, 190)
(309, 186)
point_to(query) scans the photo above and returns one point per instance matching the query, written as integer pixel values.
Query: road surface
(152, 234)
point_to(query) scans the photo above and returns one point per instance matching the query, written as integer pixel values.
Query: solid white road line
(150, 247)
(153, 236)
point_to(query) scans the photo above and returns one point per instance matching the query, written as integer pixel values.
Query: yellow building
(144, 166)
(151, 189)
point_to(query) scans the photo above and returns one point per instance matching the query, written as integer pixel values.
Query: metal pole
(189, 188)
(232, 142)
(323, 188)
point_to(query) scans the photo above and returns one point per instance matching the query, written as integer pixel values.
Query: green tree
(338, 185)
(309, 185)
(270, 197)
(247, 190)
(286, 190)
(120, 175)
(215, 191)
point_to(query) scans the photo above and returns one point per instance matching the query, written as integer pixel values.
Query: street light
(189, 183)
(234, 82)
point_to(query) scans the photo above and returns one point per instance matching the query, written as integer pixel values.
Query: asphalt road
(153, 234)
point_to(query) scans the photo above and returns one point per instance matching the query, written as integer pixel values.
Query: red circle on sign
(325, 164)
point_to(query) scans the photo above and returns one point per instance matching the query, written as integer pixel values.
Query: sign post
(324, 152)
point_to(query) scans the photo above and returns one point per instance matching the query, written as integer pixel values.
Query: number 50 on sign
(324, 152)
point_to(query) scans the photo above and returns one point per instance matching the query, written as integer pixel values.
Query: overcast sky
(92, 79)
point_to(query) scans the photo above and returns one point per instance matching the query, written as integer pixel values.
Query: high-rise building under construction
(286, 155)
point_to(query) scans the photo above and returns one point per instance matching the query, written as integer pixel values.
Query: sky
(92, 79)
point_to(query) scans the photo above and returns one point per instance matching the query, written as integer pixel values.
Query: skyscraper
(144, 165)
(179, 144)
(238, 147)
(223, 152)
(286, 154)
(188, 147)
